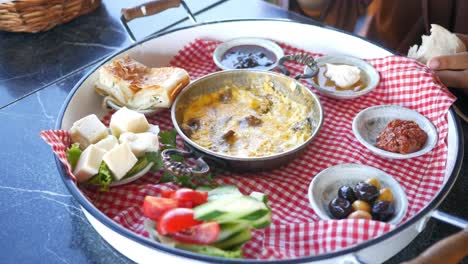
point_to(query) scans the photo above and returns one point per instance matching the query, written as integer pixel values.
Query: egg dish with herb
(253, 121)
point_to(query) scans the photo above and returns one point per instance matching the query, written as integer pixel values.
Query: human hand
(449, 250)
(452, 69)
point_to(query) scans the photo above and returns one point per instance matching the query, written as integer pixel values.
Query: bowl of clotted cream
(343, 77)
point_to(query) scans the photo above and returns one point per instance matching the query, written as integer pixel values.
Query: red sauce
(401, 136)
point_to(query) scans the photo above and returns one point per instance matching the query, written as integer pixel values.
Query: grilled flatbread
(132, 84)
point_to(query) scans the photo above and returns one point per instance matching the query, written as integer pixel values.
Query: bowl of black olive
(355, 191)
(247, 53)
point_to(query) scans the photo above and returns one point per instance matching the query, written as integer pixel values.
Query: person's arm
(452, 69)
(341, 14)
(450, 250)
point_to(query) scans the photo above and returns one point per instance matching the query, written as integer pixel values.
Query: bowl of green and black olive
(355, 191)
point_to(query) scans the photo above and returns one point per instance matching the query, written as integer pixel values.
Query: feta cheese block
(107, 143)
(89, 162)
(88, 130)
(126, 120)
(120, 160)
(140, 143)
(343, 75)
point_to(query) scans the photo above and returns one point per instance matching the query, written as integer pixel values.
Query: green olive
(385, 195)
(360, 215)
(360, 205)
(375, 182)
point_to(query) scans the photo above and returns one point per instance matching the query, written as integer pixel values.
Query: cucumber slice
(224, 191)
(203, 189)
(262, 222)
(260, 196)
(230, 209)
(229, 230)
(235, 241)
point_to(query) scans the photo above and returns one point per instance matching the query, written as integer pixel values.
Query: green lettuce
(73, 154)
(103, 178)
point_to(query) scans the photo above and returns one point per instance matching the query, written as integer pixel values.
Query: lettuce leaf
(73, 154)
(103, 178)
(139, 166)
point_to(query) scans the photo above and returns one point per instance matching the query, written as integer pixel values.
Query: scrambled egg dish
(246, 121)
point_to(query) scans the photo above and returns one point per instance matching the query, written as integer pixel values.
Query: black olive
(366, 192)
(346, 192)
(383, 210)
(340, 208)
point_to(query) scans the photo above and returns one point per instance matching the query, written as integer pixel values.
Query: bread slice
(132, 84)
(441, 42)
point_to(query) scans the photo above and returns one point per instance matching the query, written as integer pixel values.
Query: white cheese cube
(88, 130)
(107, 143)
(140, 143)
(120, 160)
(88, 164)
(126, 120)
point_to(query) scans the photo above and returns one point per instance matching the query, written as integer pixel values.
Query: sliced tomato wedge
(186, 204)
(155, 207)
(202, 234)
(175, 220)
(186, 194)
(167, 193)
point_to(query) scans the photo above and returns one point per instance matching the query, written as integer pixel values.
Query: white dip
(343, 75)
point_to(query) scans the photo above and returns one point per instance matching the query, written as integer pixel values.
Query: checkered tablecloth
(296, 230)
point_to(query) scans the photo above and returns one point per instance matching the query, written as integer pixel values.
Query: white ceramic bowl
(265, 43)
(324, 188)
(368, 72)
(134, 177)
(109, 103)
(368, 124)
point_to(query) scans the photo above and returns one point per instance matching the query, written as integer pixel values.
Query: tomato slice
(186, 204)
(155, 207)
(167, 193)
(176, 220)
(202, 234)
(196, 197)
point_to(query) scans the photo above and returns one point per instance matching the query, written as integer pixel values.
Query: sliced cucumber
(230, 209)
(235, 241)
(229, 230)
(203, 189)
(262, 222)
(260, 196)
(224, 191)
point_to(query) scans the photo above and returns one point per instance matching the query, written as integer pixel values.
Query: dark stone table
(40, 221)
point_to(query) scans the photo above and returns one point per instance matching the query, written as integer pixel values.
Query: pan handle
(450, 219)
(180, 169)
(301, 58)
(151, 8)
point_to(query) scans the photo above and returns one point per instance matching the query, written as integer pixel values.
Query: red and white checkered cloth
(296, 230)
